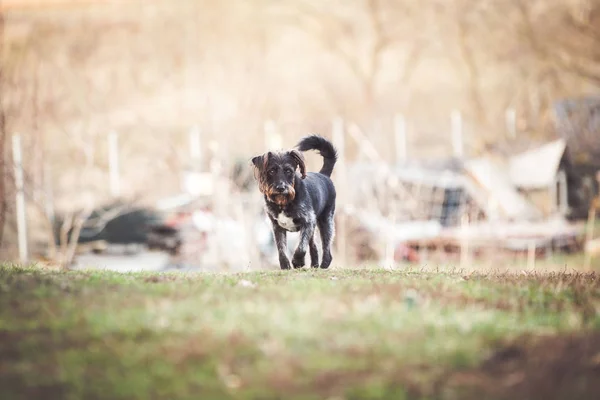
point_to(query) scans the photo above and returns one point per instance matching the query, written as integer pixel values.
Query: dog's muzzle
(281, 194)
(280, 189)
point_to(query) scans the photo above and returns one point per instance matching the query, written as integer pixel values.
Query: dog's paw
(326, 262)
(314, 259)
(284, 263)
(298, 260)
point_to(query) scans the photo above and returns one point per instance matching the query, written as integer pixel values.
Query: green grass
(354, 334)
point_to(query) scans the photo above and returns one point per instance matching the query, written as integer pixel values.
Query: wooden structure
(592, 246)
(578, 123)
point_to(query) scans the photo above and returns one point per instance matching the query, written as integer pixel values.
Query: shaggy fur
(299, 201)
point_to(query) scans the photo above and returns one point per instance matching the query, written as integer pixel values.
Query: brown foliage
(70, 75)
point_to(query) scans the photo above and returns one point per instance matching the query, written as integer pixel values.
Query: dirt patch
(160, 279)
(508, 292)
(558, 367)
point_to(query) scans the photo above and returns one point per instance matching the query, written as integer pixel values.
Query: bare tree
(359, 35)
(73, 76)
(553, 48)
(3, 172)
(465, 11)
(577, 45)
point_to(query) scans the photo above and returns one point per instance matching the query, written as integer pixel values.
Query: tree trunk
(473, 76)
(3, 169)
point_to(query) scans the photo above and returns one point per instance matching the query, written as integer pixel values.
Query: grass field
(337, 334)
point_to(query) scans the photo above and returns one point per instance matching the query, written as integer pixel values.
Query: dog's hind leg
(281, 242)
(314, 252)
(327, 230)
(306, 235)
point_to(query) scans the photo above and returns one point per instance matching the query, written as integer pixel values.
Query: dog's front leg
(281, 242)
(306, 234)
(314, 253)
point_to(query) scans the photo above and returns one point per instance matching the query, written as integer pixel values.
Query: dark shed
(578, 123)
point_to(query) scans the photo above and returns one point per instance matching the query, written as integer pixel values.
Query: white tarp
(198, 183)
(502, 198)
(401, 231)
(174, 202)
(537, 168)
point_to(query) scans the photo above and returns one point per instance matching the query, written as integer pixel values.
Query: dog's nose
(280, 188)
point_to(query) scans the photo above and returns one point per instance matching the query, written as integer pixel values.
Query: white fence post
(49, 193)
(195, 147)
(272, 137)
(338, 136)
(531, 252)
(339, 142)
(113, 164)
(20, 199)
(457, 133)
(400, 136)
(511, 123)
(465, 254)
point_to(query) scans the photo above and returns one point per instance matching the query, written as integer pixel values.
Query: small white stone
(245, 283)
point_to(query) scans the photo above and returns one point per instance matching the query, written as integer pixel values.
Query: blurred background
(469, 131)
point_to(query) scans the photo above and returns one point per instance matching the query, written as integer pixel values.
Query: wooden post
(272, 137)
(531, 248)
(195, 148)
(511, 122)
(457, 133)
(589, 235)
(400, 136)
(563, 205)
(113, 164)
(217, 205)
(465, 255)
(390, 250)
(339, 143)
(20, 199)
(49, 194)
(215, 170)
(554, 201)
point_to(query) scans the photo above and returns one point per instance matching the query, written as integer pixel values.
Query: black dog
(299, 201)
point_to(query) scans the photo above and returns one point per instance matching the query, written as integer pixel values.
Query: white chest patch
(286, 222)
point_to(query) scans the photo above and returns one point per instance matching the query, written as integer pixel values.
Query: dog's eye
(272, 172)
(289, 172)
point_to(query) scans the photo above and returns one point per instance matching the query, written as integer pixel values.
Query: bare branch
(77, 225)
(468, 58)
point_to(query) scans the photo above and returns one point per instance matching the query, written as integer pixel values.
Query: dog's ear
(260, 162)
(257, 161)
(257, 167)
(299, 157)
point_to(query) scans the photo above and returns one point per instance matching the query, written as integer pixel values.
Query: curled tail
(324, 147)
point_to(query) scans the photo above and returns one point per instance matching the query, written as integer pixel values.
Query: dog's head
(276, 174)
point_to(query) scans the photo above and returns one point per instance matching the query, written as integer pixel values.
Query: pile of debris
(484, 203)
